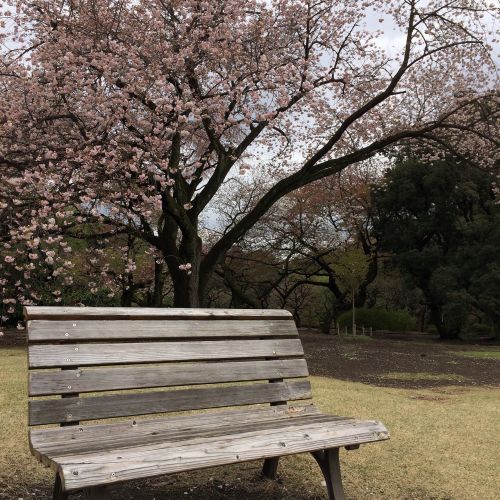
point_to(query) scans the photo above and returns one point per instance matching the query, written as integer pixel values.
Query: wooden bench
(165, 361)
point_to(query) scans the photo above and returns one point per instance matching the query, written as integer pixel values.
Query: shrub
(480, 330)
(379, 319)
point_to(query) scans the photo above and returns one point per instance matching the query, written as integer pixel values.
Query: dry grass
(416, 376)
(444, 446)
(486, 353)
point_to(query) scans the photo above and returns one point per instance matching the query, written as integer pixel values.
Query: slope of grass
(444, 445)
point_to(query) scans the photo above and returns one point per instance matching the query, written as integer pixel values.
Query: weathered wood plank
(111, 466)
(71, 330)
(226, 417)
(53, 355)
(180, 423)
(131, 439)
(120, 405)
(65, 313)
(43, 383)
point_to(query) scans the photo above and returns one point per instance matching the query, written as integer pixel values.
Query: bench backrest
(144, 353)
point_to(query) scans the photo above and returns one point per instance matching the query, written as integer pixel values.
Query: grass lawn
(444, 445)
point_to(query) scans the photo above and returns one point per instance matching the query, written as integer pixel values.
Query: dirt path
(398, 363)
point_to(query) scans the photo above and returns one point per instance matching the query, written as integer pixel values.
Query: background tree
(351, 269)
(301, 244)
(441, 223)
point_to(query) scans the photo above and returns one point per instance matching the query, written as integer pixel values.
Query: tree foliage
(442, 225)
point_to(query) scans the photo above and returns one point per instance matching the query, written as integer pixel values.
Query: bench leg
(270, 467)
(97, 493)
(328, 460)
(59, 493)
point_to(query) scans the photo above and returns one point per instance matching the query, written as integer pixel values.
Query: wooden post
(353, 314)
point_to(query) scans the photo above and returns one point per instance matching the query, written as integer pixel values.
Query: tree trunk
(326, 324)
(422, 317)
(127, 292)
(296, 317)
(371, 274)
(239, 298)
(437, 320)
(187, 291)
(193, 289)
(157, 297)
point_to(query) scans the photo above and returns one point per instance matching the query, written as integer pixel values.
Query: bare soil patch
(396, 362)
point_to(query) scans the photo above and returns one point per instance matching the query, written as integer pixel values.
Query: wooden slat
(120, 405)
(39, 436)
(44, 383)
(50, 449)
(67, 313)
(106, 467)
(41, 356)
(71, 330)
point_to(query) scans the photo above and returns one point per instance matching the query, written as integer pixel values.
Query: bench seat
(98, 455)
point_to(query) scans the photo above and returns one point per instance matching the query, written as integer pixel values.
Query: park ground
(440, 401)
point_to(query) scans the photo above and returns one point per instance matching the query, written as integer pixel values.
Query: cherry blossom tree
(132, 114)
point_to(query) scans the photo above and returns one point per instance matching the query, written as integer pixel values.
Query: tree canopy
(441, 224)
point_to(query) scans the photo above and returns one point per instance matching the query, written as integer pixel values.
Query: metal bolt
(74, 324)
(75, 473)
(78, 374)
(66, 334)
(69, 387)
(76, 348)
(113, 474)
(68, 359)
(69, 415)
